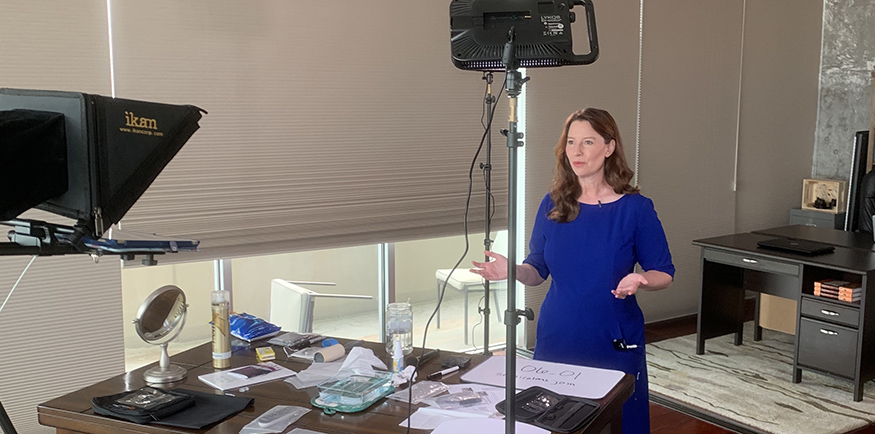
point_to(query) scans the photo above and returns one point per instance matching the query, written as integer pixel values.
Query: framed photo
(825, 195)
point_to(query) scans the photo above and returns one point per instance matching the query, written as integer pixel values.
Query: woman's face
(586, 150)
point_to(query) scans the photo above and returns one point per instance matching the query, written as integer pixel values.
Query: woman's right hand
(496, 269)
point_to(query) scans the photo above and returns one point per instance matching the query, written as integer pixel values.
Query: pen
(439, 374)
(417, 361)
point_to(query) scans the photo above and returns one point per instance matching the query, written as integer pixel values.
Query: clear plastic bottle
(397, 357)
(399, 326)
(221, 306)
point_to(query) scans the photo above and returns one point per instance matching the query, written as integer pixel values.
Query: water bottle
(221, 306)
(399, 327)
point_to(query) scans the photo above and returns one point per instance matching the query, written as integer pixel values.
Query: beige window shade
(779, 95)
(79, 303)
(691, 67)
(330, 124)
(73, 303)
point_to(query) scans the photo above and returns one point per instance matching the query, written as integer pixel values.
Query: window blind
(75, 306)
(691, 75)
(330, 123)
(778, 109)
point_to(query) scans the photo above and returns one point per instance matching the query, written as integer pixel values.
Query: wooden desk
(833, 337)
(72, 413)
(838, 238)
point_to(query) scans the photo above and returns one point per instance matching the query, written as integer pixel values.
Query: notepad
(246, 376)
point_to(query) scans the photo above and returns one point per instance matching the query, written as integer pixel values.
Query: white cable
(16, 283)
(111, 55)
(738, 102)
(635, 180)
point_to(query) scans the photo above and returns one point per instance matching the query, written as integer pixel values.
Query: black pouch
(550, 410)
(460, 361)
(146, 404)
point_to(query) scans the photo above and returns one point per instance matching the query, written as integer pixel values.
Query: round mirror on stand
(159, 321)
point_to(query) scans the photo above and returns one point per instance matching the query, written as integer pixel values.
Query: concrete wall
(845, 101)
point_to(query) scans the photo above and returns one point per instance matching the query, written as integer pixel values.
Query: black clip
(621, 345)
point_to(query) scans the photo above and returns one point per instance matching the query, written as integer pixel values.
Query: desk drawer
(751, 262)
(827, 347)
(817, 218)
(831, 312)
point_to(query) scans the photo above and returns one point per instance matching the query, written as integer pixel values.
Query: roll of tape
(329, 354)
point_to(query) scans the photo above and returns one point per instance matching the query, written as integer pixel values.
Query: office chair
(291, 306)
(465, 281)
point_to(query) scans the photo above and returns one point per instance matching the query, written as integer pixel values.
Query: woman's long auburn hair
(565, 189)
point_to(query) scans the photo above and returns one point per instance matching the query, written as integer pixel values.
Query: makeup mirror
(159, 321)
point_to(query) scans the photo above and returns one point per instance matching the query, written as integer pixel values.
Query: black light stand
(514, 83)
(544, 38)
(487, 173)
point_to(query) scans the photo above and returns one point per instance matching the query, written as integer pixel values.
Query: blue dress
(580, 317)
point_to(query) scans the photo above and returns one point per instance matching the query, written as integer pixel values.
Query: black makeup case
(550, 410)
(146, 404)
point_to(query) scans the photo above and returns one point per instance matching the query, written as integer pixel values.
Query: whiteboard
(571, 380)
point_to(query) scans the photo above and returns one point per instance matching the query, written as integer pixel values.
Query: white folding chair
(465, 281)
(291, 306)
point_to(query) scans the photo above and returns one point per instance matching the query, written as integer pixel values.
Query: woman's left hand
(629, 285)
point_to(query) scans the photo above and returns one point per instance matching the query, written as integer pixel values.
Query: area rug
(749, 388)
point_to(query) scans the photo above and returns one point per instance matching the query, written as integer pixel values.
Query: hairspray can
(221, 307)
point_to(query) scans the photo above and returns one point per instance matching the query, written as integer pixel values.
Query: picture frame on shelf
(825, 195)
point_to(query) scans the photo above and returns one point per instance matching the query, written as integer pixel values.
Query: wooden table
(72, 413)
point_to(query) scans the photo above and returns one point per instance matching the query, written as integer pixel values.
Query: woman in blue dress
(589, 232)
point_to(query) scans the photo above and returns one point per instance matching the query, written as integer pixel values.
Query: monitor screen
(31, 139)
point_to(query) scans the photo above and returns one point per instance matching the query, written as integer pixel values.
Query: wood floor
(664, 420)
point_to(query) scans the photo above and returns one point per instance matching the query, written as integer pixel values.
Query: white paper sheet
(571, 380)
(431, 417)
(484, 426)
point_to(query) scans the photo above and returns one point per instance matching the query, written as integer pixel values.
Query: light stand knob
(516, 314)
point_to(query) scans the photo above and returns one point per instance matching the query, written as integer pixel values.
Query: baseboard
(749, 314)
(670, 322)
